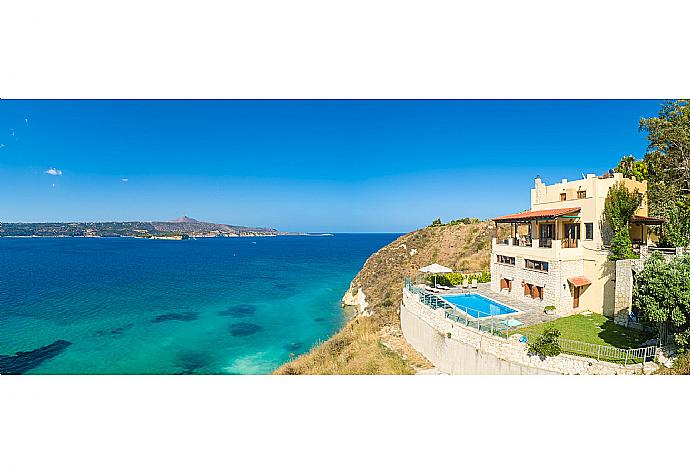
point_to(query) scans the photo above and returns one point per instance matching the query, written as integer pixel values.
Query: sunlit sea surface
(204, 306)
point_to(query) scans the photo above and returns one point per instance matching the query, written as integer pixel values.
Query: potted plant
(550, 310)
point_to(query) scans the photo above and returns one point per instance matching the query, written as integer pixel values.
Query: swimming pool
(478, 306)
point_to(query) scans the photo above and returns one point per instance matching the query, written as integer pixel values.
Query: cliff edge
(372, 342)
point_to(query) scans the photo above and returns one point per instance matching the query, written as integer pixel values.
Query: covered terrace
(543, 226)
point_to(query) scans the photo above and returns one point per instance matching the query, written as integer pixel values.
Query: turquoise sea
(204, 306)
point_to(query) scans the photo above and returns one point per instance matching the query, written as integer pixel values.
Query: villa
(557, 255)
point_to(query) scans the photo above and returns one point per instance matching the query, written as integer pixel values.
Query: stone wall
(624, 289)
(467, 351)
(557, 290)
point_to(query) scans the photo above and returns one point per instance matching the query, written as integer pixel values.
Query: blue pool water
(477, 305)
(217, 305)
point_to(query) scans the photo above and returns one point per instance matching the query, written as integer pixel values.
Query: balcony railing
(547, 243)
(569, 243)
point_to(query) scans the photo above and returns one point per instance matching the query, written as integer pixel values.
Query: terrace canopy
(527, 217)
(579, 281)
(435, 269)
(638, 232)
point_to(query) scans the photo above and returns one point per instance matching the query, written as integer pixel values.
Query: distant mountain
(184, 219)
(183, 226)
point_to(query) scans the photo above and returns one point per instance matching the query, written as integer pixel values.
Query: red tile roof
(648, 220)
(579, 281)
(536, 215)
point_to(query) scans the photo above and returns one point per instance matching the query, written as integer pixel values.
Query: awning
(647, 220)
(579, 281)
(536, 215)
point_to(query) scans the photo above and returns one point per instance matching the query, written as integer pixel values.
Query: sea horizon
(241, 305)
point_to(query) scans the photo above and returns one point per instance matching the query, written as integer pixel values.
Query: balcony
(553, 249)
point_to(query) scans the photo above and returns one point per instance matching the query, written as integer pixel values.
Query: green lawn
(594, 329)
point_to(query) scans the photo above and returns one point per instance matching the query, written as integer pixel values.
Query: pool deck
(528, 314)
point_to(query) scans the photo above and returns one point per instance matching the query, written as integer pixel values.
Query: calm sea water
(134, 306)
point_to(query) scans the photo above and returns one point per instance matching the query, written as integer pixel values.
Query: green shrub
(661, 294)
(621, 246)
(546, 345)
(457, 278)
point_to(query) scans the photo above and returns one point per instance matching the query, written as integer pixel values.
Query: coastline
(371, 342)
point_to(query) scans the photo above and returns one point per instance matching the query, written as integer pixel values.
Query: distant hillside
(194, 227)
(181, 226)
(372, 342)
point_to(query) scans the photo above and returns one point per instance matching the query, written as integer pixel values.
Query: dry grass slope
(356, 349)
(374, 344)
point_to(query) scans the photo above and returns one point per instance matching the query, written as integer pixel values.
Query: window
(538, 292)
(537, 265)
(589, 230)
(582, 194)
(505, 259)
(563, 197)
(528, 290)
(533, 291)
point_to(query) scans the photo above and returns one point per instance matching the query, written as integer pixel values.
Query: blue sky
(301, 165)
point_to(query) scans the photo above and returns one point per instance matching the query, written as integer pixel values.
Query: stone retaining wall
(467, 351)
(625, 270)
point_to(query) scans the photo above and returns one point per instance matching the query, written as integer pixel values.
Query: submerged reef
(239, 311)
(183, 316)
(244, 329)
(24, 361)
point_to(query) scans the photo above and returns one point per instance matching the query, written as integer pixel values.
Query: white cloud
(125, 180)
(53, 171)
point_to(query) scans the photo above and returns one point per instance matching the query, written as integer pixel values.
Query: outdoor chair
(474, 283)
(464, 283)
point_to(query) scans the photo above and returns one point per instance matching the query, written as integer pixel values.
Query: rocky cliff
(376, 293)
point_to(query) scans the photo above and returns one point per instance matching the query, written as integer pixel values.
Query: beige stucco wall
(547, 197)
(589, 259)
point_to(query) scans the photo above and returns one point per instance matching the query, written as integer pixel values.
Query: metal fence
(601, 352)
(466, 316)
(487, 323)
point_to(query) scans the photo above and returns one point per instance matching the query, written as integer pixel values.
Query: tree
(621, 246)
(436, 222)
(677, 228)
(668, 159)
(661, 294)
(619, 207)
(630, 167)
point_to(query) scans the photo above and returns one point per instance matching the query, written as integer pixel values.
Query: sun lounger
(464, 283)
(474, 283)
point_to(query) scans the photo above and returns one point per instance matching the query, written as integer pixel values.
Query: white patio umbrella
(435, 269)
